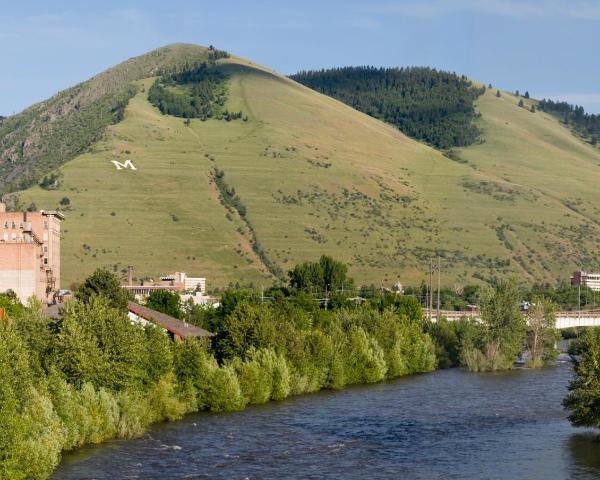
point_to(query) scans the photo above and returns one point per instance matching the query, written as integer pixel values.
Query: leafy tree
(583, 399)
(502, 334)
(521, 104)
(103, 282)
(498, 93)
(526, 94)
(326, 274)
(31, 434)
(406, 306)
(247, 326)
(11, 304)
(541, 321)
(565, 295)
(166, 302)
(449, 339)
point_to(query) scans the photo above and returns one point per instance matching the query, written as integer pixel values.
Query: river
(449, 424)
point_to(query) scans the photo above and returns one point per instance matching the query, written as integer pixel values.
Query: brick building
(30, 253)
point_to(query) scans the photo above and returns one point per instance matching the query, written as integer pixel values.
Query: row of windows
(20, 237)
(13, 225)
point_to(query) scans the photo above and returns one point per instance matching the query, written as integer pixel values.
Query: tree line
(427, 104)
(92, 374)
(586, 125)
(199, 92)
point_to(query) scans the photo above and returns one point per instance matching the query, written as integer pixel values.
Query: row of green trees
(563, 295)
(587, 125)
(93, 375)
(424, 103)
(503, 333)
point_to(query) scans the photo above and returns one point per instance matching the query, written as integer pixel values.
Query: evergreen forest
(199, 92)
(426, 104)
(584, 124)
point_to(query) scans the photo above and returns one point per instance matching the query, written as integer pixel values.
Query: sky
(547, 47)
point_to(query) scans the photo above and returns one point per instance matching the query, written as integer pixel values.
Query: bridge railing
(565, 319)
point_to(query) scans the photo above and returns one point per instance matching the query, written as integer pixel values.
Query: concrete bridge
(570, 319)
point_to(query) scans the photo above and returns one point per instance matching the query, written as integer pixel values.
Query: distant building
(30, 253)
(591, 280)
(175, 282)
(198, 298)
(177, 329)
(190, 284)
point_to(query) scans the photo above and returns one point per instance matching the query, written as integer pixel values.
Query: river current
(449, 424)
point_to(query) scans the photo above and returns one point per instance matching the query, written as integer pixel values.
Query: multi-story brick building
(30, 253)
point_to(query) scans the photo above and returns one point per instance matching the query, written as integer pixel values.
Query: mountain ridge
(313, 176)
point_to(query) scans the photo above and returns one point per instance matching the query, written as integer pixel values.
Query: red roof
(172, 324)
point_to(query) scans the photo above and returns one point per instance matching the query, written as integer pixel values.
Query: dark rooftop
(172, 324)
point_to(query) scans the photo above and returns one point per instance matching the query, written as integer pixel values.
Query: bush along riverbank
(93, 375)
(503, 334)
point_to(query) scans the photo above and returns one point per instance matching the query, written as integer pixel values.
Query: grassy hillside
(315, 176)
(533, 152)
(50, 133)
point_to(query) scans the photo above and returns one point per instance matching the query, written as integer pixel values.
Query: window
(14, 225)
(5, 223)
(45, 260)
(45, 225)
(45, 248)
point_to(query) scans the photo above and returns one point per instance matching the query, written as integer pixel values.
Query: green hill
(300, 174)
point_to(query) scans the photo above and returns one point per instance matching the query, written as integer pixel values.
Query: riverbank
(446, 424)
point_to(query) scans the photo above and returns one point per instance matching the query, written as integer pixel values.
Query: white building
(591, 280)
(188, 283)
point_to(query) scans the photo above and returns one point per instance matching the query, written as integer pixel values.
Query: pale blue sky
(549, 47)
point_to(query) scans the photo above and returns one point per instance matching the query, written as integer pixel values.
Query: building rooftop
(172, 324)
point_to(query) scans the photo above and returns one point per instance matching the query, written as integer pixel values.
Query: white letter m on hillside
(126, 164)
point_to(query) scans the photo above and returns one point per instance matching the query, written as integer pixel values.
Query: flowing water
(445, 425)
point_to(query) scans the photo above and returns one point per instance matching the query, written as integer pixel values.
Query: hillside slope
(315, 176)
(52, 132)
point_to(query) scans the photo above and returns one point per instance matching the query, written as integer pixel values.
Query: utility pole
(430, 306)
(262, 294)
(438, 290)
(326, 297)
(579, 299)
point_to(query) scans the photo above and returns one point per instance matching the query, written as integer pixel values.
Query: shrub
(224, 393)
